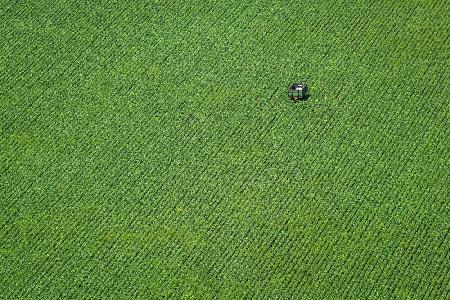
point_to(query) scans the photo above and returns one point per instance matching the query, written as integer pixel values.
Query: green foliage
(148, 150)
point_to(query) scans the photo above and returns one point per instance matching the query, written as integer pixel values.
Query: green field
(148, 149)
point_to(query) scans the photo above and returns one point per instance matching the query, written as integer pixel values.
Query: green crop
(149, 150)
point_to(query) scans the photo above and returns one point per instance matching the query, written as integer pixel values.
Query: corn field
(148, 149)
